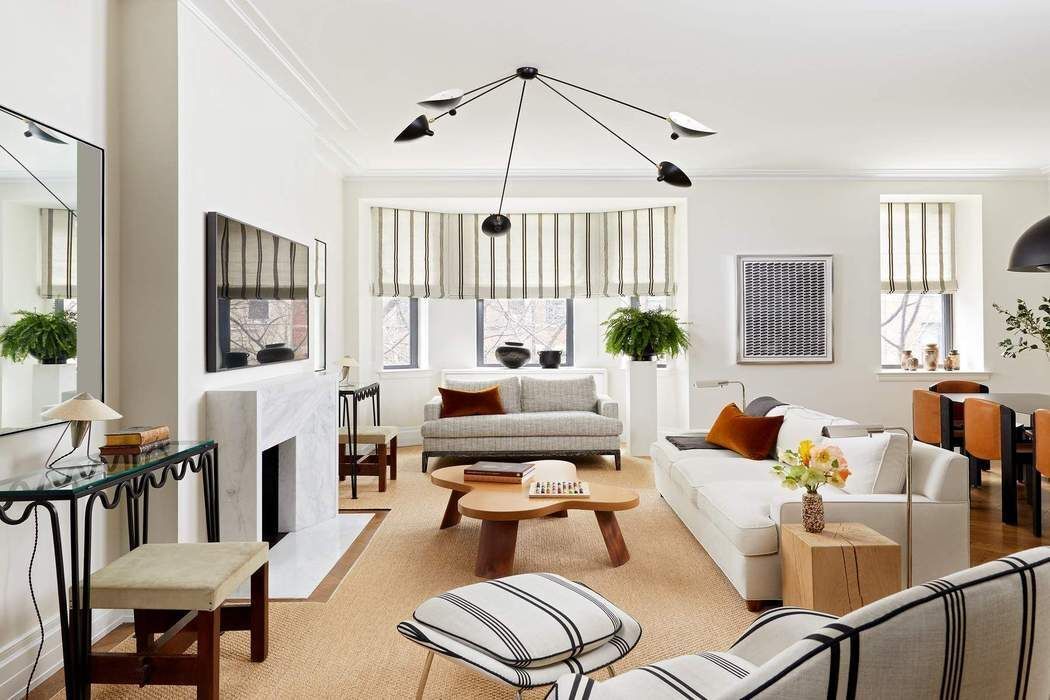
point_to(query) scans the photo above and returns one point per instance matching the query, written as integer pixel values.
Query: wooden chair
(178, 591)
(958, 386)
(990, 434)
(1040, 465)
(384, 437)
(931, 418)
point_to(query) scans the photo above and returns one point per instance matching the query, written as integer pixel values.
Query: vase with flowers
(810, 467)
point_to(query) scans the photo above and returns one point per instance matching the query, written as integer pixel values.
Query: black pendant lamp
(450, 100)
(1031, 253)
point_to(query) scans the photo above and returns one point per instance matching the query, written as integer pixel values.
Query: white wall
(731, 217)
(71, 88)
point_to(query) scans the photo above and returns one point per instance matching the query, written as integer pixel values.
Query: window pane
(541, 324)
(909, 322)
(650, 303)
(397, 333)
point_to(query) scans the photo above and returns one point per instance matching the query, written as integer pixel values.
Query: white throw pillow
(877, 464)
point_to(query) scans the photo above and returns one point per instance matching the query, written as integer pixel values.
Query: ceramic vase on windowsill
(813, 512)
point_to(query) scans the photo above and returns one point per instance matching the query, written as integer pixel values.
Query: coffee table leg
(613, 538)
(559, 514)
(452, 515)
(496, 548)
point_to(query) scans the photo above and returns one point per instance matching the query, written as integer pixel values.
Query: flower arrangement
(810, 467)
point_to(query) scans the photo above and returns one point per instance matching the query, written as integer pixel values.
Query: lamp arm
(595, 119)
(604, 96)
(461, 105)
(908, 498)
(743, 391)
(513, 138)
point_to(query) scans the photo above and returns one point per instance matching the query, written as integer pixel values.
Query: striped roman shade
(918, 248)
(545, 255)
(255, 264)
(58, 254)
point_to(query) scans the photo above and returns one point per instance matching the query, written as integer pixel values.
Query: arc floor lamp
(452, 100)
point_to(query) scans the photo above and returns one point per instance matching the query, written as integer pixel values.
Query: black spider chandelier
(449, 100)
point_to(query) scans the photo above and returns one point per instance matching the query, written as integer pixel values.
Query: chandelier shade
(1031, 253)
(449, 100)
(420, 126)
(446, 99)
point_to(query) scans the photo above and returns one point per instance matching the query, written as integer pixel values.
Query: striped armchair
(980, 633)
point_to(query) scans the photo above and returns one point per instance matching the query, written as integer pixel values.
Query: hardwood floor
(990, 538)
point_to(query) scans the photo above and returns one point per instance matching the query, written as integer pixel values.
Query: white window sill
(923, 376)
(405, 373)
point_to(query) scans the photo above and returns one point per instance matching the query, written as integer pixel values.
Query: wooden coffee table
(500, 507)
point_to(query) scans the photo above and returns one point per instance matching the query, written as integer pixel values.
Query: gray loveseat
(543, 418)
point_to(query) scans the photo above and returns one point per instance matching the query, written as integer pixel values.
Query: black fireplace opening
(271, 462)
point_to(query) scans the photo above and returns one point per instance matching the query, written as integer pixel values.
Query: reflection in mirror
(50, 269)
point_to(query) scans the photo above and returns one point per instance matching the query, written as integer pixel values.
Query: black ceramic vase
(513, 355)
(274, 352)
(550, 359)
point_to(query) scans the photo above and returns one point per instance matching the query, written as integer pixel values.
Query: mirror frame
(4, 432)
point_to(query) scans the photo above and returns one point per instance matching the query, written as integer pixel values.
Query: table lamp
(79, 412)
(348, 367)
(722, 384)
(848, 431)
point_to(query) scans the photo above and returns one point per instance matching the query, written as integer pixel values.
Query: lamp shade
(851, 431)
(684, 125)
(420, 126)
(672, 175)
(1031, 253)
(709, 383)
(496, 225)
(446, 99)
(83, 407)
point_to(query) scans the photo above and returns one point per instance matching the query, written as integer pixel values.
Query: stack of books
(136, 440)
(500, 472)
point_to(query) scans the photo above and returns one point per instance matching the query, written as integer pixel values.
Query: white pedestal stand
(641, 407)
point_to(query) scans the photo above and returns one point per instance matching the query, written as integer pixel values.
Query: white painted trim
(16, 658)
(702, 174)
(924, 377)
(407, 373)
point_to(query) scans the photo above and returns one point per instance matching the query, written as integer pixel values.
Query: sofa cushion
(509, 390)
(523, 425)
(802, 424)
(456, 403)
(753, 437)
(542, 395)
(740, 510)
(526, 621)
(877, 464)
(698, 471)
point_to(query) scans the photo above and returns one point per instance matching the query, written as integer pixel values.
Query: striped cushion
(524, 621)
(695, 676)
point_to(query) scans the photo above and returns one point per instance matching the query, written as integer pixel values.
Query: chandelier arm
(482, 87)
(596, 121)
(513, 137)
(607, 97)
(463, 104)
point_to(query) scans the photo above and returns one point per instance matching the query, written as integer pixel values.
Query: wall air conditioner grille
(785, 308)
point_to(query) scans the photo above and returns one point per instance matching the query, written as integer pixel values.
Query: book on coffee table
(499, 472)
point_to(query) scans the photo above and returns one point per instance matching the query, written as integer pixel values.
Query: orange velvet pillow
(456, 403)
(753, 437)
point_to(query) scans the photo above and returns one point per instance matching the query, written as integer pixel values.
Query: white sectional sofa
(734, 506)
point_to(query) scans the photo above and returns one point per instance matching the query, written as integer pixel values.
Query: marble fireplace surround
(297, 412)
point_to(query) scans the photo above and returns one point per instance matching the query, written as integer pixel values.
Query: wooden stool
(384, 437)
(178, 591)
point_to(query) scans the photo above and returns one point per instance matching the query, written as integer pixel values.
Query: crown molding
(634, 174)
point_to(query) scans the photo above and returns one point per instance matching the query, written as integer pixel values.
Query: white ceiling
(818, 86)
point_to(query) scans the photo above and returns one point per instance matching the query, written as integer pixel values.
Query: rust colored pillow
(456, 403)
(753, 437)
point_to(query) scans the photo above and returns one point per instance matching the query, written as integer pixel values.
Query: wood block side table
(839, 570)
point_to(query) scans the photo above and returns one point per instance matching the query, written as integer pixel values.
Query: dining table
(1022, 404)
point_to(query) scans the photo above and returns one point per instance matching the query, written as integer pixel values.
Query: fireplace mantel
(297, 412)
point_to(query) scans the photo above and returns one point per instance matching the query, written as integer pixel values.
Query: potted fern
(51, 338)
(641, 335)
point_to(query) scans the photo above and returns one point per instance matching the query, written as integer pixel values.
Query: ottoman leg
(496, 548)
(381, 463)
(208, 654)
(426, 674)
(393, 458)
(260, 613)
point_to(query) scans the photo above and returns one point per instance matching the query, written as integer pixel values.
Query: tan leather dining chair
(959, 386)
(931, 419)
(1040, 465)
(990, 434)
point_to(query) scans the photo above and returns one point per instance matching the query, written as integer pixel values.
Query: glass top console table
(112, 481)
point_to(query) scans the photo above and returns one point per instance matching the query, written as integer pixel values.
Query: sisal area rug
(348, 647)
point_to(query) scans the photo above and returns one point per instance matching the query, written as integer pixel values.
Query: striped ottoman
(523, 631)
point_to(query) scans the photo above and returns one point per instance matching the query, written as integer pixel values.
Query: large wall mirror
(51, 247)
